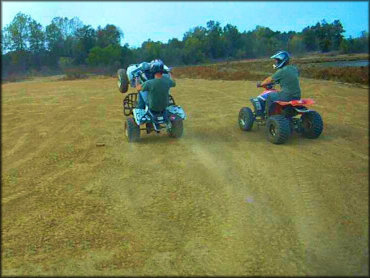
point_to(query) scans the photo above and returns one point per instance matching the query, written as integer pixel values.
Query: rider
(287, 76)
(155, 92)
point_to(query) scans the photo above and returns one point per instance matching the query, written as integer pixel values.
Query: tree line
(27, 45)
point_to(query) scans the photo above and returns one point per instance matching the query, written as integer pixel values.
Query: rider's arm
(138, 87)
(268, 80)
(277, 76)
(146, 86)
(172, 82)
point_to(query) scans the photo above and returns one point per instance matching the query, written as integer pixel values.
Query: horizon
(183, 16)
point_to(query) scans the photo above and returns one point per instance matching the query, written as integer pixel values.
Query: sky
(161, 21)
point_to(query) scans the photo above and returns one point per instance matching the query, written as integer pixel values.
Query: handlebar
(266, 86)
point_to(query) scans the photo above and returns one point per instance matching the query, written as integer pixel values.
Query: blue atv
(171, 119)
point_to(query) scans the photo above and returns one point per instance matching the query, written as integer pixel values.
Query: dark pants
(271, 97)
(143, 100)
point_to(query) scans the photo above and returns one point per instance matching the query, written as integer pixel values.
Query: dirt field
(218, 201)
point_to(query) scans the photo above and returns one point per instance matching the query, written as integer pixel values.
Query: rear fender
(300, 102)
(176, 112)
(141, 116)
(299, 106)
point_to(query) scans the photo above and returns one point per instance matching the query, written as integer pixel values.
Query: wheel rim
(242, 122)
(272, 130)
(307, 124)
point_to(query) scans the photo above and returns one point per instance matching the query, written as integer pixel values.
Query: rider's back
(287, 77)
(158, 92)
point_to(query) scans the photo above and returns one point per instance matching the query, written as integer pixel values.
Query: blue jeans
(143, 100)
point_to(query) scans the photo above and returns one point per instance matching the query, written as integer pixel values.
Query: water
(358, 63)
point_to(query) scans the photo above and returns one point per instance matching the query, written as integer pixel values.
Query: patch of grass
(358, 75)
(74, 73)
(258, 69)
(215, 72)
(177, 207)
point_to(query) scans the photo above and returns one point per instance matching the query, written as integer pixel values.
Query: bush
(359, 75)
(74, 73)
(259, 69)
(216, 72)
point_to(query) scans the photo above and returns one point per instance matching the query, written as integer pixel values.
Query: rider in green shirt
(287, 76)
(155, 92)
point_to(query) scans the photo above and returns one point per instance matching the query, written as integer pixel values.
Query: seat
(157, 117)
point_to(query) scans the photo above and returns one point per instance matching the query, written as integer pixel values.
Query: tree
(173, 52)
(127, 56)
(192, 53)
(232, 40)
(214, 46)
(336, 34)
(17, 33)
(36, 37)
(345, 46)
(310, 39)
(151, 50)
(296, 44)
(110, 34)
(85, 40)
(104, 56)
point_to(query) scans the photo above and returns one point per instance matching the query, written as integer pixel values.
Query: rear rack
(130, 102)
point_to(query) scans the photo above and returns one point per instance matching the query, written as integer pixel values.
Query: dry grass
(218, 201)
(258, 69)
(215, 72)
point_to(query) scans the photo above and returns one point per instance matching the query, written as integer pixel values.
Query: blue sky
(161, 21)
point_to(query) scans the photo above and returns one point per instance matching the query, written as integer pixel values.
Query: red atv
(283, 118)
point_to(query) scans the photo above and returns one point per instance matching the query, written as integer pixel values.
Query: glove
(258, 84)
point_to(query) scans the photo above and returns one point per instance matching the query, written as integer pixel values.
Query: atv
(283, 117)
(171, 119)
(135, 74)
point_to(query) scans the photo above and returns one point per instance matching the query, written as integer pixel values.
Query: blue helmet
(282, 58)
(156, 66)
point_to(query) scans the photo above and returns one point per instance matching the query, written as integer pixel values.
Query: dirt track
(218, 201)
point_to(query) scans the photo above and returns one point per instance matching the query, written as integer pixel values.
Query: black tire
(312, 125)
(122, 81)
(246, 119)
(277, 129)
(177, 128)
(132, 130)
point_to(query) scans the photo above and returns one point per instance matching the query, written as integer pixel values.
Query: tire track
(324, 254)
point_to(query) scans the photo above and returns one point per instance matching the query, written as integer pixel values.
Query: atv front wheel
(177, 128)
(122, 81)
(246, 119)
(132, 130)
(312, 124)
(277, 129)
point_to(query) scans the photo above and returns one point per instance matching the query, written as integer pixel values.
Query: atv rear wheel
(277, 129)
(246, 119)
(132, 130)
(177, 128)
(312, 125)
(122, 81)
